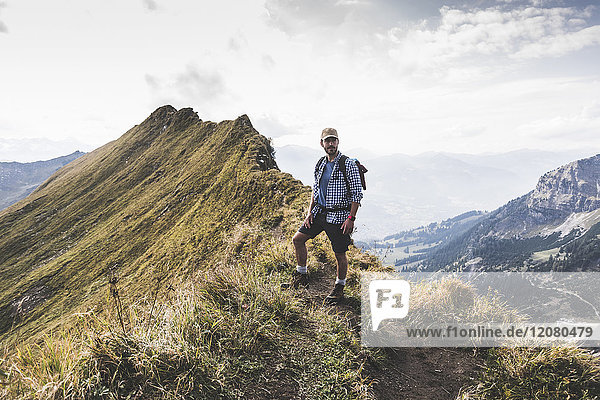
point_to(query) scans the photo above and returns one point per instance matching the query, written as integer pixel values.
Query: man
(333, 206)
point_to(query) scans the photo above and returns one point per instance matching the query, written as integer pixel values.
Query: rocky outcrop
(559, 195)
(572, 188)
(560, 217)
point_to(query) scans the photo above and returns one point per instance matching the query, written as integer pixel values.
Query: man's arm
(309, 218)
(348, 225)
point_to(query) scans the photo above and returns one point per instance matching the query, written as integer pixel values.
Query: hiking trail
(421, 373)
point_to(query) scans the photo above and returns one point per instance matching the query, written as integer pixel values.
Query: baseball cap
(329, 132)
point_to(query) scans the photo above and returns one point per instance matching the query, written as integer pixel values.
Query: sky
(392, 76)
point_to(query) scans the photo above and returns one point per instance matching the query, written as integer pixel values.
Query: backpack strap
(342, 166)
(318, 164)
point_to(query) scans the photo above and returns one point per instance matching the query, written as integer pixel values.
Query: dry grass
(538, 373)
(230, 333)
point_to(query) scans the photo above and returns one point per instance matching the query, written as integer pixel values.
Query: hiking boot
(298, 280)
(336, 294)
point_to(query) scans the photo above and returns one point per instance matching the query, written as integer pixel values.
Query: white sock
(340, 281)
(302, 270)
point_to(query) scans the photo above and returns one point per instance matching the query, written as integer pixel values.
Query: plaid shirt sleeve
(337, 191)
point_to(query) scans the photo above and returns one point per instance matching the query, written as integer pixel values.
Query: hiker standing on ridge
(334, 202)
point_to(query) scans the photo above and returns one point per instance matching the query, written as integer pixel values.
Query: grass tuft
(538, 373)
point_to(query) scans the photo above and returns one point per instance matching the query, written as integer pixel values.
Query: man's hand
(308, 221)
(347, 227)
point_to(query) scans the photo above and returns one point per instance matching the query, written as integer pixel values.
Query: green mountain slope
(158, 202)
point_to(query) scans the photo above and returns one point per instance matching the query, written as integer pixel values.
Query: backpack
(342, 164)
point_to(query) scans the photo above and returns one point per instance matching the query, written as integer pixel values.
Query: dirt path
(409, 373)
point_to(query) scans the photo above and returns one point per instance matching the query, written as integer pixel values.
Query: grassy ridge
(158, 203)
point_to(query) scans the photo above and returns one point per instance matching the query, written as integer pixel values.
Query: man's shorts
(339, 241)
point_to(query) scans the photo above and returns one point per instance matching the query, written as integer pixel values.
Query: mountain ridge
(574, 187)
(155, 182)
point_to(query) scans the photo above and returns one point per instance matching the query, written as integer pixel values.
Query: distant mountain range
(26, 150)
(18, 180)
(414, 243)
(556, 226)
(405, 191)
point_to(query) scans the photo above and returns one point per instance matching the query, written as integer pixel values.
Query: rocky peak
(185, 116)
(574, 187)
(244, 120)
(162, 113)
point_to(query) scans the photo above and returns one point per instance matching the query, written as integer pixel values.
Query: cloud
(237, 42)
(194, 85)
(3, 27)
(150, 5)
(434, 40)
(578, 130)
(152, 81)
(464, 131)
(35, 149)
(271, 126)
(483, 36)
(268, 62)
(298, 16)
(558, 45)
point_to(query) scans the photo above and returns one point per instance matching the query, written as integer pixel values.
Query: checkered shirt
(337, 192)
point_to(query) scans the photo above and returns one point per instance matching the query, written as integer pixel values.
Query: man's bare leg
(300, 275)
(342, 269)
(299, 241)
(342, 265)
